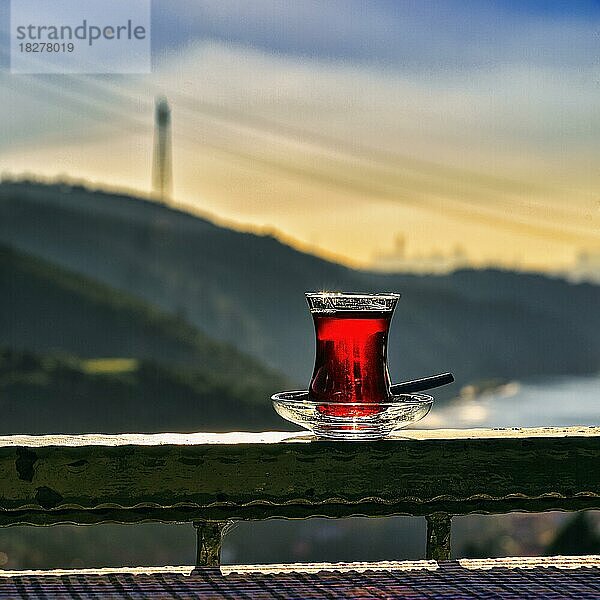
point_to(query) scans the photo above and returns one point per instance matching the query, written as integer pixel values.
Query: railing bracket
(438, 536)
(209, 536)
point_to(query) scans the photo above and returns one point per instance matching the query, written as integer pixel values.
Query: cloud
(477, 126)
(409, 35)
(492, 116)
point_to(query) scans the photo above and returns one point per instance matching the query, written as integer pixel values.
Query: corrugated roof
(553, 577)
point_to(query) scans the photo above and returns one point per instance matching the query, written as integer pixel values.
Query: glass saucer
(352, 420)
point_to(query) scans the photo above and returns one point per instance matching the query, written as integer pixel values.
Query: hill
(45, 308)
(247, 290)
(65, 394)
(168, 375)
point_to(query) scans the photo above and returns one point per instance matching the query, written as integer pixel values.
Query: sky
(342, 125)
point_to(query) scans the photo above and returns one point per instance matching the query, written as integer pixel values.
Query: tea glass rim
(331, 302)
(386, 295)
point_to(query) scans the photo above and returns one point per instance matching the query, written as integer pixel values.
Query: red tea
(351, 361)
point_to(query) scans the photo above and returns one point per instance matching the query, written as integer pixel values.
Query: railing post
(209, 536)
(438, 536)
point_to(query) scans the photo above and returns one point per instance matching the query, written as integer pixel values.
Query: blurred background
(158, 231)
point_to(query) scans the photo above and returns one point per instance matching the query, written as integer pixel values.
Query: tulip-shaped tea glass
(350, 394)
(351, 354)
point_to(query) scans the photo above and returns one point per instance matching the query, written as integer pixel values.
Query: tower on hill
(162, 162)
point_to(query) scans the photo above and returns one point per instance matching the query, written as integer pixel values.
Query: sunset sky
(342, 124)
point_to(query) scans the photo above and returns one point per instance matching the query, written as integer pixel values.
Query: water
(552, 401)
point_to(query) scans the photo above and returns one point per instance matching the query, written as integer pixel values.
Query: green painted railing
(212, 480)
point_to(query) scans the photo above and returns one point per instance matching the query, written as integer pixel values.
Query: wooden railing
(211, 480)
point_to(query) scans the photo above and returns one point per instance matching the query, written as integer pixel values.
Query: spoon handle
(420, 385)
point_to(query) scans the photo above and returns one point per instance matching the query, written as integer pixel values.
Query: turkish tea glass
(351, 376)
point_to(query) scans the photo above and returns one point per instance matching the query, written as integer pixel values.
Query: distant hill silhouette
(248, 290)
(201, 384)
(61, 394)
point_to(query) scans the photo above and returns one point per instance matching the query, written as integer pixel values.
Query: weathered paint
(195, 477)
